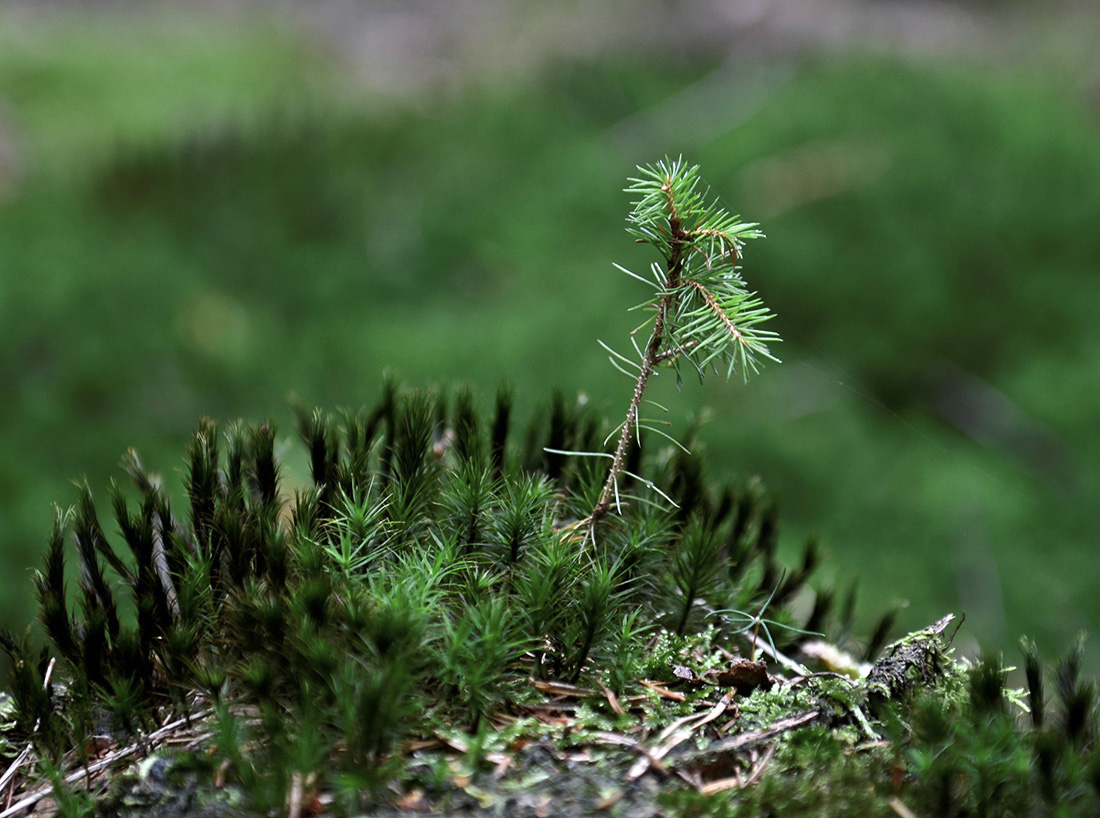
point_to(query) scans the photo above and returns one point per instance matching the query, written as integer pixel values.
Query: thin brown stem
(618, 462)
(654, 354)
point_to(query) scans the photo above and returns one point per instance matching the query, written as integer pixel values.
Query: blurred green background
(207, 211)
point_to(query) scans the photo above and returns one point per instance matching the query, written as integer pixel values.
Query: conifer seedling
(700, 312)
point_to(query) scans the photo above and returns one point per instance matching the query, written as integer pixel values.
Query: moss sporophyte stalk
(450, 617)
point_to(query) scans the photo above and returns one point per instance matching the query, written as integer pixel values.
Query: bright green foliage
(318, 628)
(979, 754)
(710, 315)
(417, 584)
(695, 567)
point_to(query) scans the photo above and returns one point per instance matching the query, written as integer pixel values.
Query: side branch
(675, 352)
(716, 308)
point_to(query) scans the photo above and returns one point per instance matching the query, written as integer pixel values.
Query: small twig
(294, 797)
(663, 691)
(699, 719)
(648, 756)
(676, 725)
(708, 296)
(675, 735)
(653, 756)
(958, 625)
(107, 761)
(754, 776)
(191, 743)
(822, 674)
(15, 765)
(736, 781)
(612, 699)
(562, 689)
(626, 436)
(900, 809)
(633, 744)
(675, 352)
(715, 712)
(751, 737)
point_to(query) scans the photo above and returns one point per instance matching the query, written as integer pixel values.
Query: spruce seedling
(700, 310)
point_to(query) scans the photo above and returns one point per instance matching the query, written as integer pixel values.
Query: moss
(766, 706)
(352, 644)
(168, 786)
(916, 660)
(322, 629)
(814, 772)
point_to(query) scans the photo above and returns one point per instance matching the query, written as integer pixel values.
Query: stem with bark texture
(652, 357)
